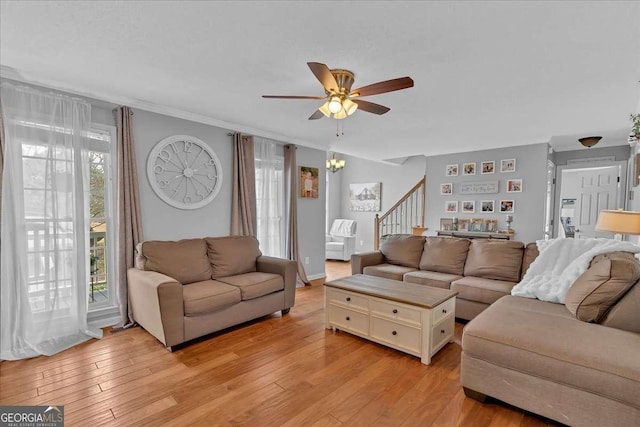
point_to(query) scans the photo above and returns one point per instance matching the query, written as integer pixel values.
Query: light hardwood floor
(278, 370)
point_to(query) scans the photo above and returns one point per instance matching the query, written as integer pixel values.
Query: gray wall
(334, 199)
(531, 167)
(396, 181)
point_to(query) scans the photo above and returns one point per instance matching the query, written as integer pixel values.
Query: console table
(415, 319)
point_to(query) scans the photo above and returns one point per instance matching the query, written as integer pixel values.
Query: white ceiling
(487, 74)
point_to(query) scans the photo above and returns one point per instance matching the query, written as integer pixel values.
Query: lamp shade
(623, 222)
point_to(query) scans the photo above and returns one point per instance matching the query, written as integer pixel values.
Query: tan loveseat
(182, 290)
(482, 271)
(577, 363)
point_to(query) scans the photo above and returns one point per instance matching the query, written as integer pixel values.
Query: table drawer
(442, 333)
(443, 310)
(349, 320)
(399, 312)
(348, 299)
(394, 333)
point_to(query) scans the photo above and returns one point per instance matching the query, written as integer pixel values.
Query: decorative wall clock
(184, 172)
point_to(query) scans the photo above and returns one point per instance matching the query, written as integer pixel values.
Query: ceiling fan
(340, 100)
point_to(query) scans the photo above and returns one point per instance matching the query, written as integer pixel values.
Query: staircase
(404, 217)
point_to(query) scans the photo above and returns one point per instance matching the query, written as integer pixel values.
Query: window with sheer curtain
(269, 165)
(46, 222)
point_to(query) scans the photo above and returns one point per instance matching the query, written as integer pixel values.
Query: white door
(591, 190)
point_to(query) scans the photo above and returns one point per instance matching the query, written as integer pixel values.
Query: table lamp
(619, 222)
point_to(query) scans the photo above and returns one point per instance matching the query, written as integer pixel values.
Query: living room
(493, 83)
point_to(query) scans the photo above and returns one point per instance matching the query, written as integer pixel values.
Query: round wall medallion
(184, 172)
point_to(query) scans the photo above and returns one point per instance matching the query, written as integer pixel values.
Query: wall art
(446, 189)
(514, 186)
(452, 170)
(486, 206)
(508, 165)
(469, 169)
(487, 167)
(365, 197)
(469, 206)
(451, 207)
(507, 206)
(484, 187)
(308, 182)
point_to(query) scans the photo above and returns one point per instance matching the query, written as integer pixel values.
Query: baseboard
(317, 276)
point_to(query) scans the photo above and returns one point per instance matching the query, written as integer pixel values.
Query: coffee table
(415, 319)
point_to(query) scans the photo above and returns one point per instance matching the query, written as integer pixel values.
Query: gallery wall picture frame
(469, 206)
(308, 182)
(476, 224)
(490, 225)
(446, 224)
(451, 206)
(487, 167)
(463, 224)
(451, 170)
(365, 197)
(514, 186)
(469, 168)
(487, 206)
(507, 165)
(507, 206)
(446, 189)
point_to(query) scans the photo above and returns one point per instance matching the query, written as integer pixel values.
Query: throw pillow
(444, 255)
(404, 250)
(602, 285)
(184, 260)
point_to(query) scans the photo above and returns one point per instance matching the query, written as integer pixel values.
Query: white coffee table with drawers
(416, 319)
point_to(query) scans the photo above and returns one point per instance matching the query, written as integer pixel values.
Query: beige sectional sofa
(482, 271)
(577, 363)
(182, 290)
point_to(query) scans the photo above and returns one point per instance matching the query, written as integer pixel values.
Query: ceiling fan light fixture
(324, 109)
(340, 114)
(349, 106)
(335, 105)
(590, 141)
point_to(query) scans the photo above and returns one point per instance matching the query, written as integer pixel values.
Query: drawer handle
(348, 318)
(394, 333)
(442, 331)
(395, 311)
(444, 310)
(348, 299)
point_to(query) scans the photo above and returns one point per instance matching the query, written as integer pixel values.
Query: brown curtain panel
(244, 219)
(129, 213)
(291, 209)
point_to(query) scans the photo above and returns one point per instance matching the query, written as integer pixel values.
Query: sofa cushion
(388, 271)
(602, 285)
(255, 284)
(544, 340)
(482, 290)
(184, 260)
(444, 254)
(431, 278)
(494, 259)
(402, 250)
(531, 252)
(232, 255)
(625, 314)
(207, 296)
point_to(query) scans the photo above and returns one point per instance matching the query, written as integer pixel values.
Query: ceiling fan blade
(323, 74)
(316, 115)
(383, 87)
(293, 97)
(371, 107)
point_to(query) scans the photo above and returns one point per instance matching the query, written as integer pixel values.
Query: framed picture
(487, 167)
(486, 206)
(508, 165)
(469, 206)
(446, 224)
(469, 168)
(452, 170)
(463, 224)
(507, 206)
(476, 224)
(446, 189)
(451, 207)
(308, 182)
(491, 225)
(364, 197)
(514, 186)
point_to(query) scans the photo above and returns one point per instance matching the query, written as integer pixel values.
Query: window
(269, 197)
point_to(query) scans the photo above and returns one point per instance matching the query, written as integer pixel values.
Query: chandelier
(334, 165)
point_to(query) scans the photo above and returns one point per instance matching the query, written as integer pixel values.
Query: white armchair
(341, 240)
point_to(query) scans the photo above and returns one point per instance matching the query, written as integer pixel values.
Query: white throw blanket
(560, 263)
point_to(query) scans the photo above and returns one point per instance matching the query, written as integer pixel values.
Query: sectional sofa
(179, 291)
(577, 363)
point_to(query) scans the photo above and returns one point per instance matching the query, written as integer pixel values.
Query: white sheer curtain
(44, 277)
(269, 197)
